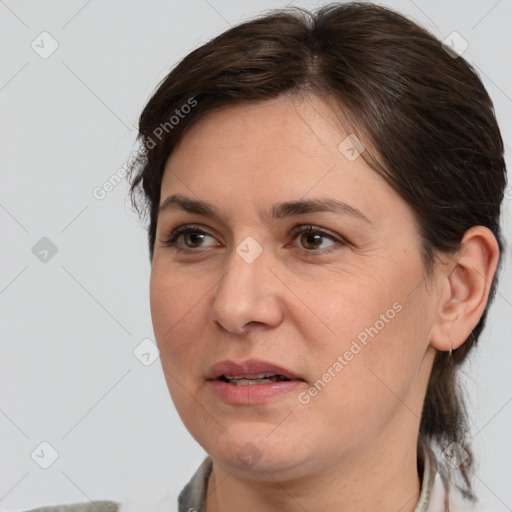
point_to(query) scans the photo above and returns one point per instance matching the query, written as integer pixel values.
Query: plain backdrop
(74, 272)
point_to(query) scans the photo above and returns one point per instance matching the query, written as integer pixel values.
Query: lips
(249, 369)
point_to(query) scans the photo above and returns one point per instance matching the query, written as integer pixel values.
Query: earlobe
(464, 287)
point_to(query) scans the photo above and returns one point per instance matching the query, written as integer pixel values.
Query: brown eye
(190, 235)
(312, 239)
(194, 237)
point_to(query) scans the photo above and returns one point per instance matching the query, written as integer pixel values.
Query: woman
(324, 197)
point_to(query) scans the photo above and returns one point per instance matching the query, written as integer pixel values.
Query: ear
(463, 288)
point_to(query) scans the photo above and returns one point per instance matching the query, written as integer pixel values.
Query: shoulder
(96, 506)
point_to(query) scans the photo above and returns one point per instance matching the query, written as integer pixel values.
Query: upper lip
(248, 367)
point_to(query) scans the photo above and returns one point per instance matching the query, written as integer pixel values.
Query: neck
(385, 478)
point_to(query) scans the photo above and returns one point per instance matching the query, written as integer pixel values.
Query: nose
(248, 296)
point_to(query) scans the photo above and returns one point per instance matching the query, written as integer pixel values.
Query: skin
(353, 446)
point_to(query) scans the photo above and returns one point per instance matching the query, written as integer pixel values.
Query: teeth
(259, 376)
(243, 381)
(250, 382)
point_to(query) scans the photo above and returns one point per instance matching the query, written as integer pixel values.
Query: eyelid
(317, 229)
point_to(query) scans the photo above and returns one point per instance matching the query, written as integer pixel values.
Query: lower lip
(253, 394)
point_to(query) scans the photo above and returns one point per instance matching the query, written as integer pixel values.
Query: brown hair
(424, 111)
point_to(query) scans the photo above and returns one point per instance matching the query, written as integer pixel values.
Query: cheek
(378, 325)
(175, 312)
(351, 308)
(375, 361)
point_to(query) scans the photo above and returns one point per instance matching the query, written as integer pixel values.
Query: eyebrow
(177, 202)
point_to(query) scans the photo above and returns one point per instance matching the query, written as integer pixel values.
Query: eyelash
(195, 228)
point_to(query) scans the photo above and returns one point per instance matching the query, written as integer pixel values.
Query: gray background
(70, 324)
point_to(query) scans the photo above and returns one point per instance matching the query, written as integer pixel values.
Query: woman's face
(342, 305)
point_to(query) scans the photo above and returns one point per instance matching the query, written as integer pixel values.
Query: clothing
(193, 496)
(97, 506)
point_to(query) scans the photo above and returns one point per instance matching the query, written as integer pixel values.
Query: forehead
(285, 122)
(273, 151)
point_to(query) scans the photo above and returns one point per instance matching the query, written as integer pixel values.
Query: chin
(257, 449)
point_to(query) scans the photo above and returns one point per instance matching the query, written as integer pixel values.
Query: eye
(191, 234)
(311, 239)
